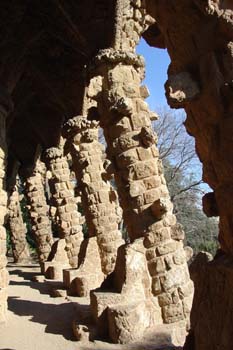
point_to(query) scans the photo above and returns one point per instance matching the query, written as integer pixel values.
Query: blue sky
(157, 62)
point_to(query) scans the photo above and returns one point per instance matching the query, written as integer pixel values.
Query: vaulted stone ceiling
(44, 48)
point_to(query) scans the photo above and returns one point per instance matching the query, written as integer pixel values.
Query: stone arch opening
(201, 230)
(198, 81)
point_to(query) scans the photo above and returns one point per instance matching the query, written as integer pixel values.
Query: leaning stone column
(65, 251)
(38, 211)
(158, 285)
(17, 228)
(5, 108)
(99, 201)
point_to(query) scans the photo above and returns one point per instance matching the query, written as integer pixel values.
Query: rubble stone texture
(198, 36)
(17, 228)
(100, 205)
(117, 73)
(5, 107)
(38, 211)
(65, 251)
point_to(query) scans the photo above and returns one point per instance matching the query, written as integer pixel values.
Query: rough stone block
(157, 237)
(167, 248)
(168, 298)
(81, 332)
(128, 322)
(136, 188)
(141, 170)
(100, 301)
(68, 276)
(125, 142)
(54, 270)
(175, 277)
(131, 272)
(185, 290)
(156, 266)
(144, 153)
(89, 275)
(152, 182)
(173, 313)
(126, 158)
(179, 257)
(152, 195)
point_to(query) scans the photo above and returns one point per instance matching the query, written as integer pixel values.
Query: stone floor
(38, 321)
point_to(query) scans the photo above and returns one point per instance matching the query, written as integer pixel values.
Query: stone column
(5, 108)
(151, 272)
(17, 228)
(99, 201)
(65, 251)
(38, 211)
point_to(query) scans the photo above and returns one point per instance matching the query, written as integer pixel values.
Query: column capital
(53, 153)
(114, 56)
(78, 125)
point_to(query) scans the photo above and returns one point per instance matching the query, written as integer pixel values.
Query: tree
(182, 171)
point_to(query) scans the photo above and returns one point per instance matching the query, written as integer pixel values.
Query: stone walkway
(37, 321)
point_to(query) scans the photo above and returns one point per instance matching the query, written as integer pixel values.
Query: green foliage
(27, 221)
(8, 240)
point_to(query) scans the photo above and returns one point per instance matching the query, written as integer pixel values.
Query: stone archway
(198, 36)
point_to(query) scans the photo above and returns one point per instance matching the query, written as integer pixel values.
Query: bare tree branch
(177, 151)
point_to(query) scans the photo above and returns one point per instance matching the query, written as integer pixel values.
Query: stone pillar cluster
(38, 211)
(163, 290)
(5, 107)
(17, 228)
(99, 201)
(65, 251)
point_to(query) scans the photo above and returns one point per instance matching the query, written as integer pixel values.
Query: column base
(89, 275)
(53, 270)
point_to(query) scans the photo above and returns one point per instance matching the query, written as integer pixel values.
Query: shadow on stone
(45, 287)
(27, 275)
(23, 266)
(57, 318)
